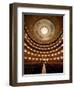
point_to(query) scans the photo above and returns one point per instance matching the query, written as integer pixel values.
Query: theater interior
(43, 44)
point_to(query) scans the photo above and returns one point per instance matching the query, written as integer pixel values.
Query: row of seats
(37, 68)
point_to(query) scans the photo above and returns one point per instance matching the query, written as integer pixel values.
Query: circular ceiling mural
(44, 30)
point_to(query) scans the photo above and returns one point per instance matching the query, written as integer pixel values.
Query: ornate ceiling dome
(44, 30)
